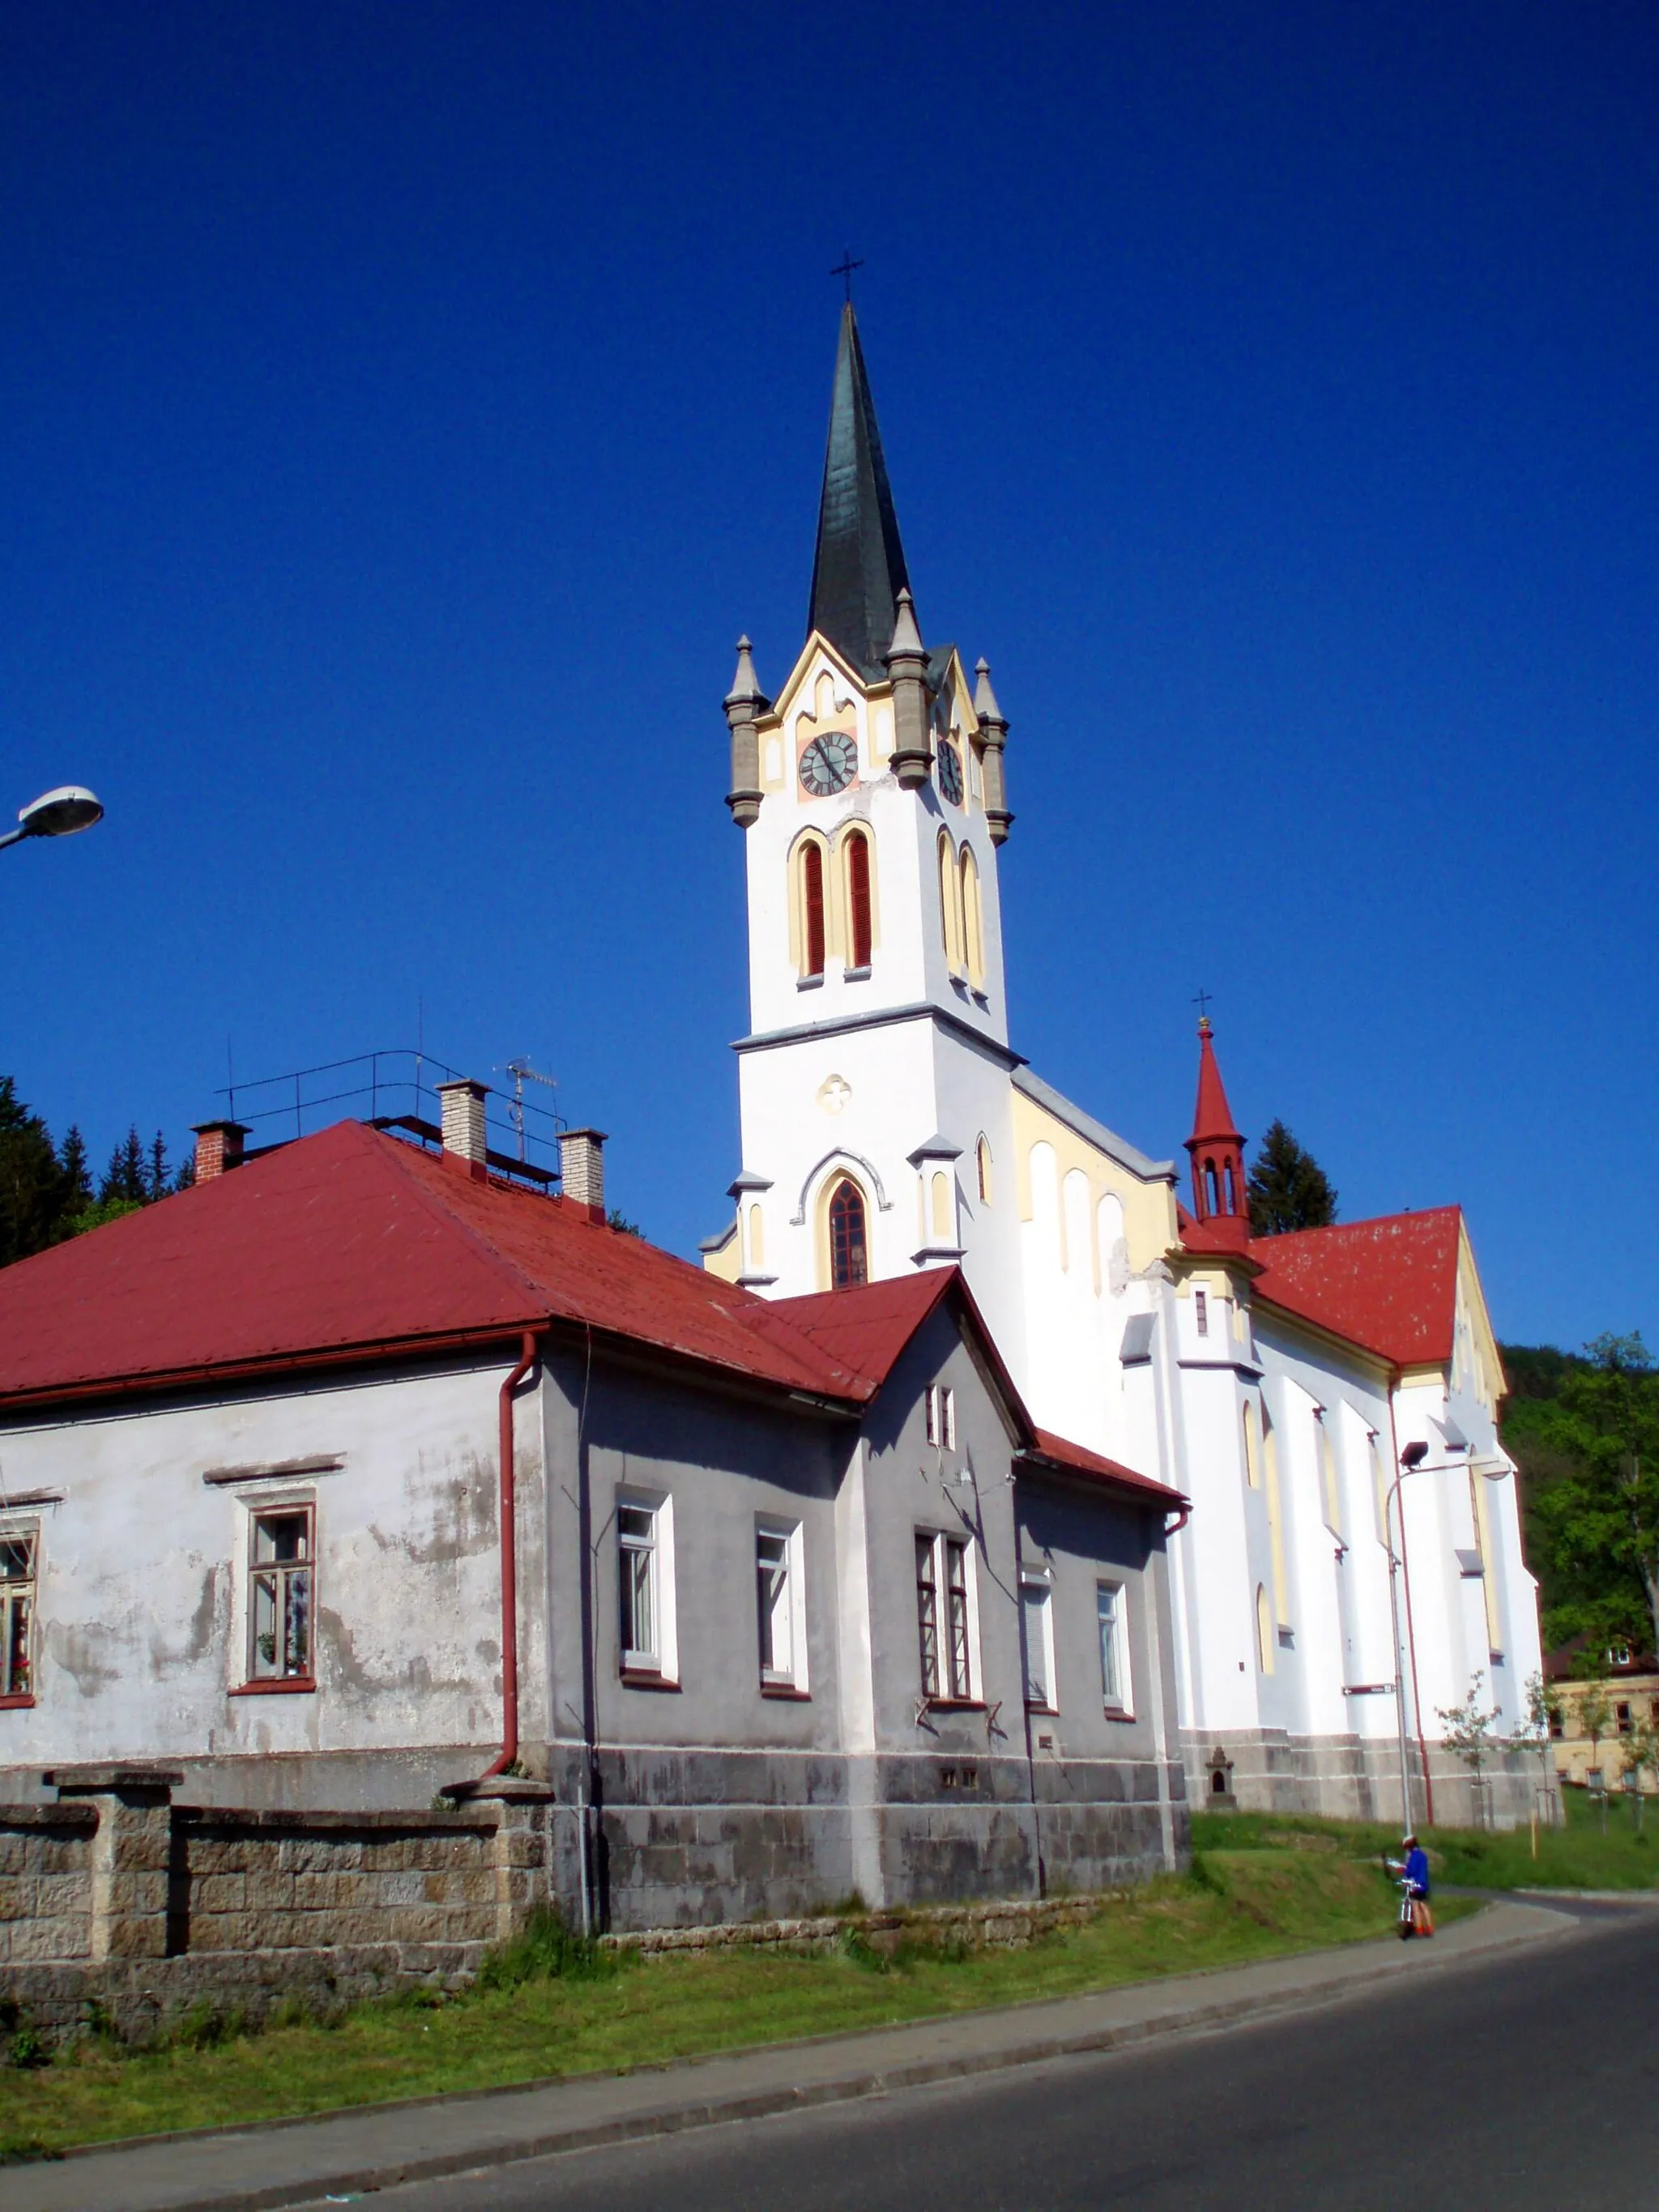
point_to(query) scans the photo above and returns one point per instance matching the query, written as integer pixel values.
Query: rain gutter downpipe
(509, 1756)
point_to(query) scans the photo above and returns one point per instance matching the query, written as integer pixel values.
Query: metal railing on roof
(395, 1089)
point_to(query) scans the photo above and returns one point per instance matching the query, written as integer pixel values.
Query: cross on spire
(844, 269)
(1203, 1002)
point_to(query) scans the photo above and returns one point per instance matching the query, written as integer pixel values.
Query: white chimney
(581, 1164)
(463, 1104)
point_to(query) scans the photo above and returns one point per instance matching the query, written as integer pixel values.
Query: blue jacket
(1417, 1870)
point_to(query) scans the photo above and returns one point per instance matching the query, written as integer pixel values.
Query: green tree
(1545, 1708)
(1469, 1734)
(31, 1178)
(1591, 1459)
(1288, 1189)
(127, 1175)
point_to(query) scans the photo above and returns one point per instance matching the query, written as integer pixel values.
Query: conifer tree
(1288, 1189)
(157, 1182)
(126, 1177)
(76, 1174)
(30, 1180)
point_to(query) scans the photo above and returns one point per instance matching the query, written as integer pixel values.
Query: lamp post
(1411, 1463)
(57, 813)
(1410, 1460)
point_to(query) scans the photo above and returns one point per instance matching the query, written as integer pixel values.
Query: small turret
(744, 703)
(1221, 1203)
(993, 735)
(912, 761)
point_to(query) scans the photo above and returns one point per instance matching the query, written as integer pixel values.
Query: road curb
(681, 2114)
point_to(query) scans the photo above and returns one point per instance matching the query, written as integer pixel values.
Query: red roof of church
(1390, 1286)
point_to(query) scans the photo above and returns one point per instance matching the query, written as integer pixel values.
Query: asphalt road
(1533, 2082)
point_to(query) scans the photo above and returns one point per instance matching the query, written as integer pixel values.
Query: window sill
(856, 975)
(18, 1704)
(1118, 1713)
(288, 1686)
(1047, 1712)
(646, 1678)
(809, 982)
(788, 1692)
(956, 1704)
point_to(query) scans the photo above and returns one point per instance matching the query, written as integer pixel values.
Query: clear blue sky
(405, 405)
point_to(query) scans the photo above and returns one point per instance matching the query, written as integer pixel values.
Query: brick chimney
(581, 1167)
(218, 1148)
(463, 1102)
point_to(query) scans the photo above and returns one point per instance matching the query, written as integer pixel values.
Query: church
(1352, 1568)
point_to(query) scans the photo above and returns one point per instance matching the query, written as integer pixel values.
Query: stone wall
(45, 1882)
(117, 1897)
(1351, 1779)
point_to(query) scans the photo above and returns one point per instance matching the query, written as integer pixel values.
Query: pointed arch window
(949, 904)
(973, 920)
(811, 889)
(1212, 1193)
(849, 1262)
(983, 1158)
(1232, 1190)
(861, 935)
(1252, 1451)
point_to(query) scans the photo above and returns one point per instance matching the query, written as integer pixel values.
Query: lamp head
(60, 813)
(1413, 1456)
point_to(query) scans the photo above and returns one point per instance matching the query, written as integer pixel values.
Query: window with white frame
(1036, 1614)
(942, 1415)
(640, 1582)
(781, 1597)
(19, 1549)
(1201, 1311)
(1110, 1611)
(281, 1573)
(943, 1617)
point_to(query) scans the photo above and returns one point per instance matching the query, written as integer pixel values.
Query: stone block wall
(45, 1882)
(274, 1881)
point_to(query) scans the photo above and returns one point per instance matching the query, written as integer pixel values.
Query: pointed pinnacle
(745, 685)
(985, 699)
(907, 638)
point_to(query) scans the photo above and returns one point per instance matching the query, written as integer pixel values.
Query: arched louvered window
(849, 1263)
(858, 899)
(811, 884)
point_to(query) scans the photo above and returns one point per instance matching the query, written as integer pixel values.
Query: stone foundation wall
(1350, 1778)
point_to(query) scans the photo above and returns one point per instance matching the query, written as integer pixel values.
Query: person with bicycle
(1413, 1874)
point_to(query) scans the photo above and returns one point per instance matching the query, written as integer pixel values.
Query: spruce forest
(46, 1189)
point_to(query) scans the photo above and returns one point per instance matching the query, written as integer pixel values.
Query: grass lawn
(1244, 1901)
(1577, 1857)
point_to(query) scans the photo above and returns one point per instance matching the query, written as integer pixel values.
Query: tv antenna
(522, 1072)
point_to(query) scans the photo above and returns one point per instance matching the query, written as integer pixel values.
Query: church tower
(877, 1130)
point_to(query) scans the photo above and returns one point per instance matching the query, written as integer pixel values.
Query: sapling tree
(1640, 1753)
(1536, 1733)
(1596, 1719)
(1470, 1731)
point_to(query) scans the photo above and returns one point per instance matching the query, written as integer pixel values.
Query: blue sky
(405, 405)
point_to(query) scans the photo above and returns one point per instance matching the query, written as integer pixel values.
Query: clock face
(829, 763)
(950, 771)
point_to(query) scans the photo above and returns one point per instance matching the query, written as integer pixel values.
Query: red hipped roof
(352, 1244)
(1389, 1285)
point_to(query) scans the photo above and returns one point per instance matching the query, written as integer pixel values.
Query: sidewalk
(296, 2161)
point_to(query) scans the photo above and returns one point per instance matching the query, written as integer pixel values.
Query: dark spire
(859, 572)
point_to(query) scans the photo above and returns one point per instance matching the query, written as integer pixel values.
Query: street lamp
(1411, 1462)
(57, 813)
